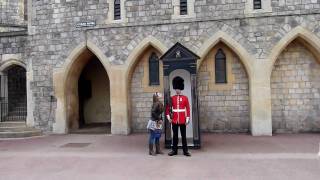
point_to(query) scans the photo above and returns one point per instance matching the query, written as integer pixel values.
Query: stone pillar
(260, 97)
(60, 124)
(4, 93)
(4, 86)
(30, 103)
(119, 101)
(31, 12)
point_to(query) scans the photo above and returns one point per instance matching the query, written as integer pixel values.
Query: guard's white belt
(179, 110)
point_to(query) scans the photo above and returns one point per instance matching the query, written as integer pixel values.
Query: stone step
(13, 124)
(20, 134)
(17, 129)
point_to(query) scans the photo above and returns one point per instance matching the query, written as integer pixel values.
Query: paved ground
(125, 157)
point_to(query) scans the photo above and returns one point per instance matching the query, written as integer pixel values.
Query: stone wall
(12, 12)
(257, 36)
(12, 45)
(223, 107)
(141, 102)
(295, 84)
(296, 6)
(56, 36)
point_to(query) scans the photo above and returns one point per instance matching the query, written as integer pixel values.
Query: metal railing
(12, 113)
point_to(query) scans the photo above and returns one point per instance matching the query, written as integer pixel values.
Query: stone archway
(284, 79)
(87, 92)
(246, 64)
(13, 91)
(223, 107)
(66, 86)
(140, 92)
(137, 81)
(295, 89)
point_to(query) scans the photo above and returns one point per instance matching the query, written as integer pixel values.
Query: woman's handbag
(151, 125)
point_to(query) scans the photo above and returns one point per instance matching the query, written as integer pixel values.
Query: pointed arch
(140, 48)
(11, 62)
(76, 52)
(143, 48)
(312, 43)
(246, 59)
(65, 82)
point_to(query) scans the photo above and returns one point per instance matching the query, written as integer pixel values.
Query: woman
(155, 124)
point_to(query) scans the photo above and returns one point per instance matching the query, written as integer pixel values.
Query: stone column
(260, 97)
(30, 103)
(119, 101)
(4, 93)
(60, 124)
(4, 86)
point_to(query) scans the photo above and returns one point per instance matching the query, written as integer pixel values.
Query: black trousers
(175, 128)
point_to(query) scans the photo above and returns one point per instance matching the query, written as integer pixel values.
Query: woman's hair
(155, 97)
(156, 101)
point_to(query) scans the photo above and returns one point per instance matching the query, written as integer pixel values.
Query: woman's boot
(151, 152)
(158, 151)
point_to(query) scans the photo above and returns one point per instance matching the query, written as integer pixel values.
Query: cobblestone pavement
(223, 156)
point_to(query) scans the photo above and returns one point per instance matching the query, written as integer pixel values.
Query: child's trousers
(154, 137)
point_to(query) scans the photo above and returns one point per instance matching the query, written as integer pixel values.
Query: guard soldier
(178, 113)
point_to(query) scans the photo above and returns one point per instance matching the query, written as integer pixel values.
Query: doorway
(93, 91)
(13, 102)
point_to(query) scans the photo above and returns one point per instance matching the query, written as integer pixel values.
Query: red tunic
(180, 109)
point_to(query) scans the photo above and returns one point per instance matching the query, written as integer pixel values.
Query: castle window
(25, 10)
(183, 7)
(257, 4)
(154, 69)
(220, 67)
(117, 10)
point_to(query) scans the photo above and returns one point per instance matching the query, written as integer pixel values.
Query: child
(155, 124)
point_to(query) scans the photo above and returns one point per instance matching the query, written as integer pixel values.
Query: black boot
(172, 153)
(158, 151)
(151, 152)
(186, 153)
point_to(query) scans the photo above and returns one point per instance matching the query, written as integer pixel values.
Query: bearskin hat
(178, 83)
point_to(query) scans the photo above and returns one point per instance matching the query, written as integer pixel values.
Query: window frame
(257, 4)
(190, 10)
(117, 10)
(183, 7)
(154, 71)
(221, 59)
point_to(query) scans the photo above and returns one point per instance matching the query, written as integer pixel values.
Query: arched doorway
(295, 89)
(88, 96)
(13, 105)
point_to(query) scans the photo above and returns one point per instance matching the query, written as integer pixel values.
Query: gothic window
(220, 67)
(117, 10)
(183, 7)
(257, 4)
(154, 69)
(25, 10)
